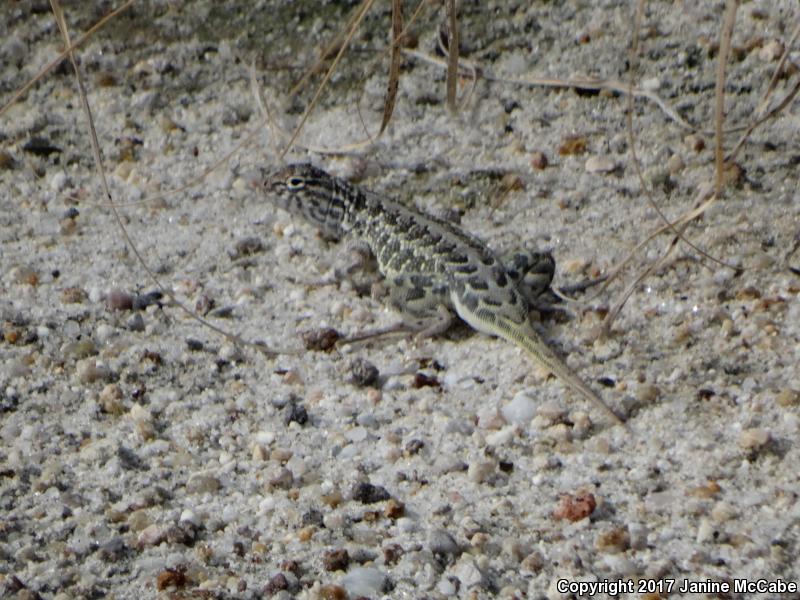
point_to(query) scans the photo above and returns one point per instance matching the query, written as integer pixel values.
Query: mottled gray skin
(431, 266)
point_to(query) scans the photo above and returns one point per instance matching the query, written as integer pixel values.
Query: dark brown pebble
(364, 372)
(366, 493)
(394, 509)
(276, 584)
(422, 380)
(290, 565)
(119, 300)
(392, 553)
(170, 578)
(320, 340)
(332, 592)
(336, 560)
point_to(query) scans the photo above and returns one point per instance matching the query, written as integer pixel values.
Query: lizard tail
(527, 339)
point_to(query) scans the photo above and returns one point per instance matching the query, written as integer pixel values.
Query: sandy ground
(143, 455)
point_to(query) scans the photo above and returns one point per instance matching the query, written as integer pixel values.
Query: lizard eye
(295, 183)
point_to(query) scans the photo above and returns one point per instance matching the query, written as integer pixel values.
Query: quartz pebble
(441, 542)
(520, 410)
(364, 582)
(600, 164)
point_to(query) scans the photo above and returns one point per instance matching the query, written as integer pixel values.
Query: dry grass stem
(728, 22)
(57, 61)
(100, 170)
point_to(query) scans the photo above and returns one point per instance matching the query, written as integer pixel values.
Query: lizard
(433, 269)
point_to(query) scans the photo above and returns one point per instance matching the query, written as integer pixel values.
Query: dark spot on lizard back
(477, 283)
(467, 269)
(415, 293)
(458, 258)
(501, 279)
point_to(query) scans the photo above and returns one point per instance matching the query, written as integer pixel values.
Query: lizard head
(293, 181)
(308, 192)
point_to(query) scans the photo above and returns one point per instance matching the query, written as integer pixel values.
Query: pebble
(135, 323)
(754, 438)
(366, 493)
(490, 418)
(152, 535)
(103, 333)
(442, 543)
(705, 531)
(501, 437)
(600, 164)
(88, 370)
(771, 51)
(619, 564)
(367, 582)
(281, 478)
(364, 373)
(356, 434)
(480, 470)
(119, 300)
(58, 181)
(675, 164)
(201, 483)
(722, 512)
(468, 573)
(520, 410)
(79, 349)
(538, 161)
(446, 587)
(406, 525)
(336, 560)
(189, 516)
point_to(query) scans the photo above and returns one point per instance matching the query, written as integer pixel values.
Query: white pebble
(58, 181)
(501, 437)
(479, 470)
(600, 164)
(752, 439)
(356, 434)
(520, 410)
(468, 573)
(189, 516)
(364, 581)
(103, 333)
(406, 525)
(704, 531)
(265, 438)
(446, 587)
(490, 418)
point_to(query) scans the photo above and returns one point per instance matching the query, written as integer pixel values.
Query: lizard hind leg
(422, 304)
(423, 308)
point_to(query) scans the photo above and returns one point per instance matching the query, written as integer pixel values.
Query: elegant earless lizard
(432, 268)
